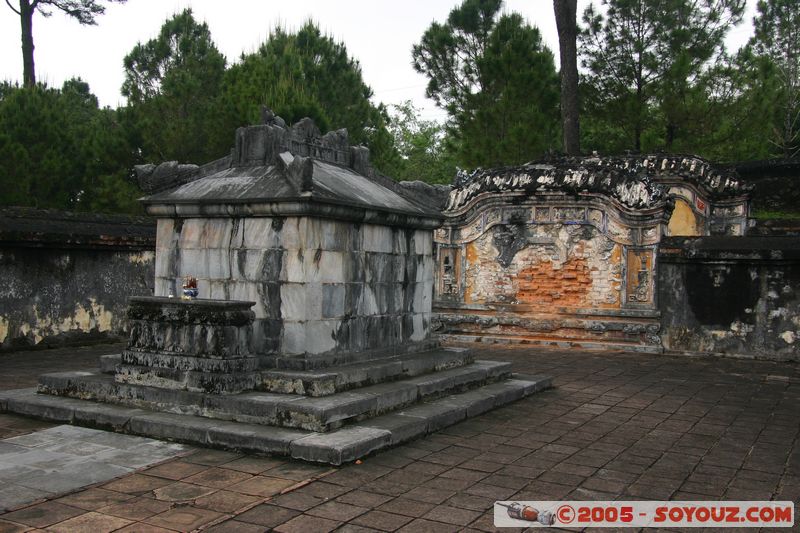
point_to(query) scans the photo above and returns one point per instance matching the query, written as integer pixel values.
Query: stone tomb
(312, 335)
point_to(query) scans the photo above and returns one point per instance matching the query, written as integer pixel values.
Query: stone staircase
(331, 415)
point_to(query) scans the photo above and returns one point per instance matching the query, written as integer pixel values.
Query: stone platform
(411, 408)
(188, 374)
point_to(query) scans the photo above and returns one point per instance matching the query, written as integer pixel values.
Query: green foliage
(647, 60)
(423, 151)
(777, 41)
(496, 80)
(173, 83)
(58, 150)
(306, 74)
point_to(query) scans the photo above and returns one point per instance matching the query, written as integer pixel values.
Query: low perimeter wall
(732, 295)
(65, 278)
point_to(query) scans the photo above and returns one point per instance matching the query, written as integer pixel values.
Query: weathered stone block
(333, 300)
(293, 338)
(293, 301)
(321, 336)
(292, 234)
(259, 233)
(340, 447)
(376, 238)
(191, 233)
(219, 264)
(193, 262)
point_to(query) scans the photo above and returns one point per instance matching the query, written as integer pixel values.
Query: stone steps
(323, 361)
(322, 414)
(550, 341)
(336, 447)
(328, 381)
(323, 381)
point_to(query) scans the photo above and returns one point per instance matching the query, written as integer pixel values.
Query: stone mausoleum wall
(65, 278)
(319, 284)
(564, 251)
(732, 295)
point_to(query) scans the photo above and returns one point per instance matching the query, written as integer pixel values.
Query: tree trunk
(26, 22)
(566, 22)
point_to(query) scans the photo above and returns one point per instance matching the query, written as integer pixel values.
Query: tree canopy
(496, 80)
(777, 42)
(645, 61)
(173, 83)
(59, 150)
(655, 76)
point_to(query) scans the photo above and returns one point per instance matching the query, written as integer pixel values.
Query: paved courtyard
(616, 425)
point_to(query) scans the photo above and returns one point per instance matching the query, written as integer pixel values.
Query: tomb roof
(276, 169)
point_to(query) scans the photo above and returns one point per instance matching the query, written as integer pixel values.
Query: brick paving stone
(141, 527)
(324, 490)
(224, 501)
(654, 426)
(183, 518)
(577, 470)
(461, 473)
(353, 528)
(181, 492)
(262, 486)
(451, 515)
(336, 510)
(486, 523)
(91, 522)
(406, 507)
(308, 524)
(267, 515)
(428, 526)
(364, 499)
(511, 482)
(299, 501)
(252, 465)
(382, 521)
(391, 460)
(424, 494)
(562, 478)
(604, 485)
(402, 476)
(136, 509)
(541, 490)
(11, 527)
(653, 492)
(234, 526)
(446, 483)
(481, 466)
(297, 471)
(94, 498)
(388, 488)
(43, 514)
(209, 457)
(175, 470)
(491, 491)
(217, 478)
(136, 484)
(471, 502)
(423, 466)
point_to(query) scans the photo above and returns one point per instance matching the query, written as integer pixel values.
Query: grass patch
(760, 214)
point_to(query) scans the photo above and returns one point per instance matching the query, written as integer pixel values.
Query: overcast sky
(378, 33)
